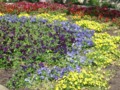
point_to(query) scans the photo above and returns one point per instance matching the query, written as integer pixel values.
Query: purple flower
(1, 47)
(72, 61)
(72, 40)
(5, 49)
(70, 68)
(57, 29)
(71, 54)
(42, 77)
(43, 21)
(12, 34)
(92, 32)
(23, 51)
(32, 20)
(24, 67)
(49, 25)
(50, 34)
(23, 57)
(90, 43)
(55, 77)
(23, 19)
(78, 68)
(82, 59)
(39, 71)
(41, 64)
(43, 71)
(1, 56)
(18, 45)
(21, 37)
(34, 57)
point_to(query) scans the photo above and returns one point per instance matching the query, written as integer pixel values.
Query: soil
(114, 31)
(5, 75)
(115, 81)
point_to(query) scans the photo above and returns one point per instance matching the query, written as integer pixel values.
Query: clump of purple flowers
(55, 72)
(82, 40)
(31, 40)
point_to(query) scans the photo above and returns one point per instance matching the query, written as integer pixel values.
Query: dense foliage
(49, 50)
(18, 7)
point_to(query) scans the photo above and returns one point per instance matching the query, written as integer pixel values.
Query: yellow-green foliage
(49, 17)
(104, 50)
(23, 15)
(76, 81)
(52, 17)
(93, 25)
(104, 41)
(2, 14)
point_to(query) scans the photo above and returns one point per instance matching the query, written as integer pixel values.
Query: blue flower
(70, 68)
(42, 77)
(41, 64)
(55, 77)
(32, 19)
(71, 54)
(78, 68)
(39, 71)
(43, 21)
(90, 43)
(82, 59)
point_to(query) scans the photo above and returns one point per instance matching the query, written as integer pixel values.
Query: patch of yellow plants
(93, 25)
(76, 81)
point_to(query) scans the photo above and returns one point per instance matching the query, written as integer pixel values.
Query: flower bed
(92, 25)
(19, 7)
(95, 11)
(28, 7)
(50, 52)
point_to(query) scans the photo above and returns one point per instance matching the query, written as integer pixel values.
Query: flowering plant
(30, 7)
(78, 81)
(95, 11)
(93, 25)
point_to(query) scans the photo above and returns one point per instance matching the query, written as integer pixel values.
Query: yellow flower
(23, 15)
(56, 88)
(64, 86)
(52, 17)
(91, 25)
(2, 14)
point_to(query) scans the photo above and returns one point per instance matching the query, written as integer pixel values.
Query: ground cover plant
(28, 7)
(95, 11)
(19, 7)
(49, 51)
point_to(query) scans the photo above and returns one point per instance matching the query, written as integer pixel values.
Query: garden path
(115, 81)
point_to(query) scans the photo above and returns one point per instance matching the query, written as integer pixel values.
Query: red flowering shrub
(28, 7)
(95, 11)
(73, 9)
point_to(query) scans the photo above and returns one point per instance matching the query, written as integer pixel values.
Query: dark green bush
(109, 5)
(33, 1)
(94, 2)
(58, 1)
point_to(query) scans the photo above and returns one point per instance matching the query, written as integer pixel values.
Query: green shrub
(94, 2)
(109, 5)
(33, 0)
(58, 1)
